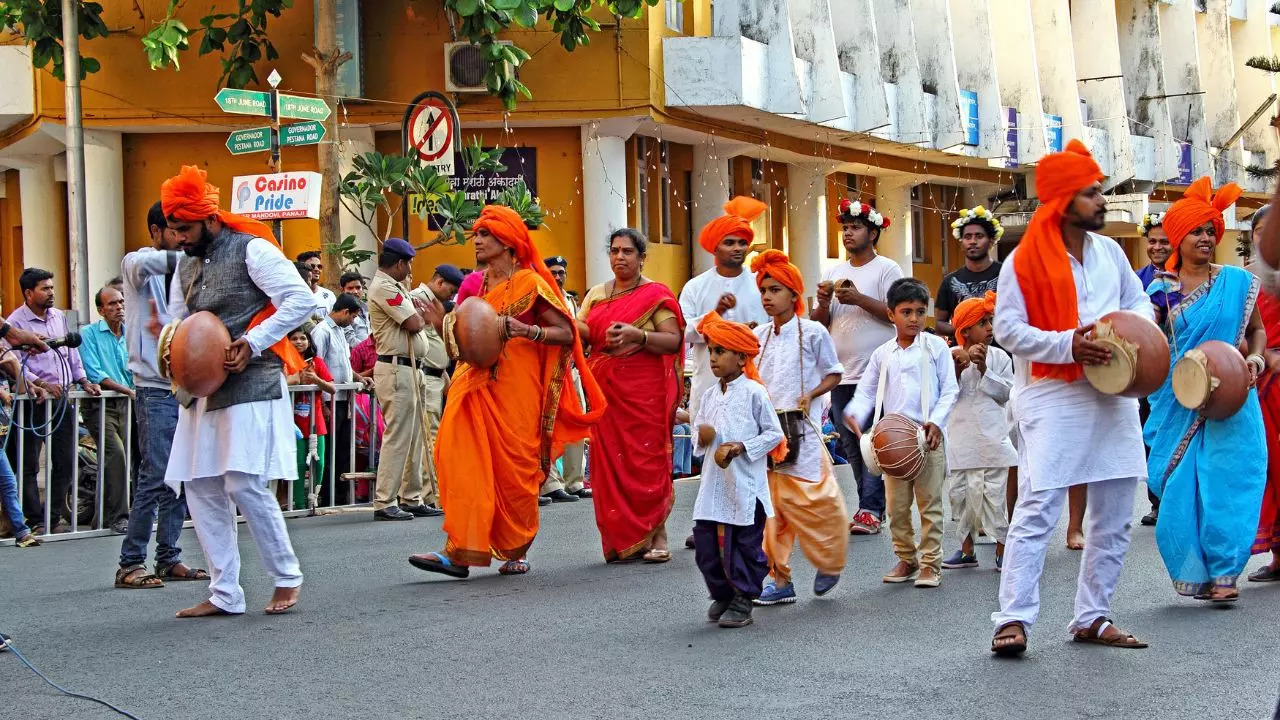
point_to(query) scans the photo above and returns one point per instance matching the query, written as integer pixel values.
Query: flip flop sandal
(179, 572)
(654, 557)
(514, 567)
(1012, 649)
(136, 577)
(1265, 574)
(1093, 636)
(438, 563)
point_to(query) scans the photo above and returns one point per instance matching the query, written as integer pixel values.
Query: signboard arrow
(307, 133)
(302, 108)
(243, 142)
(244, 102)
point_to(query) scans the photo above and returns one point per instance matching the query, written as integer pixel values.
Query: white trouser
(1106, 542)
(212, 503)
(978, 501)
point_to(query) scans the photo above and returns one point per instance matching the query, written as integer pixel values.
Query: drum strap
(925, 365)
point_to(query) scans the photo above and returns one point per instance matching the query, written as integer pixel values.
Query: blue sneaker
(959, 560)
(822, 584)
(774, 595)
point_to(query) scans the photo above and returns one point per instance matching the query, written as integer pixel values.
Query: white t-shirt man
(856, 333)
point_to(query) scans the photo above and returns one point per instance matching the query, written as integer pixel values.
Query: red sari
(631, 444)
(1268, 537)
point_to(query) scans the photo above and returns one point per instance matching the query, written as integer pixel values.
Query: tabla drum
(1212, 379)
(1139, 361)
(473, 333)
(897, 446)
(192, 352)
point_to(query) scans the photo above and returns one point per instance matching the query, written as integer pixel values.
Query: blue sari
(1208, 474)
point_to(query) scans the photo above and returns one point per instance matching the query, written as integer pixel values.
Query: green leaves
(352, 256)
(240, 36)
(39, 22)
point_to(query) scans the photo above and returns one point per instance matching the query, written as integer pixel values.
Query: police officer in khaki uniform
(403, 378)
(567, 486)
(441, 290)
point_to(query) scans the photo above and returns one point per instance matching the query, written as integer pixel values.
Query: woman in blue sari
(1208, 474)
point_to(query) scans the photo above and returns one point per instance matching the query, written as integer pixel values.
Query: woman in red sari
(636, 330)
(1268, 537)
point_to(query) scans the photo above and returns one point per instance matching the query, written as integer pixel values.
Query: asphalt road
(375, 638)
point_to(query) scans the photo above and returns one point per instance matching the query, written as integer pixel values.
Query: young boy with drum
(736, 429)
(979, 452)
(912, 379)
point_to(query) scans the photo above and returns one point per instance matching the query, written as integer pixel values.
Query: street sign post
(430, 128)
(243, 102)
(307, 133)
(302, 108)
(243, 142)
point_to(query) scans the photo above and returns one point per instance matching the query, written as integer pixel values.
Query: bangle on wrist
(645, 342)
(1257, 361)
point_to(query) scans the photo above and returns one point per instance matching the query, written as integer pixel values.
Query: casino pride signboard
(277, 196)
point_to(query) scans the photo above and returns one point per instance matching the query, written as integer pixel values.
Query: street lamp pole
(78, 223)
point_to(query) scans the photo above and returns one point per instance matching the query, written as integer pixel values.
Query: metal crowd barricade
(26, 410)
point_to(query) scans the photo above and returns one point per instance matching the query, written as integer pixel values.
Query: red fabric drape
(1268, 537)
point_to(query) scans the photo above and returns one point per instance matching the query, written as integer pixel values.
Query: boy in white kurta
(979, 452)
(737, 428)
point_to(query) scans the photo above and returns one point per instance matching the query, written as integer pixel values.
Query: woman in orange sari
(503, 427)
(636, 332)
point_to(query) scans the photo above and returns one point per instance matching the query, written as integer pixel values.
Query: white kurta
(1070, 433)
(254, 438)
(978, 429)
(699, 297)
(789, 372)
(902, 384)
(741, 413)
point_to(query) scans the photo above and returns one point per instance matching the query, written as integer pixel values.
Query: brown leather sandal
(1014, 635)
(1096, 634)
(136, 577)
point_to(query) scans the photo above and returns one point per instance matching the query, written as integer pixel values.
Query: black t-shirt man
(963, 284)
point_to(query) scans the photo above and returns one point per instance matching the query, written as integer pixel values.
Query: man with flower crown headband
(1158, 252)
(979, 232)
(228, 446)
(851, 303)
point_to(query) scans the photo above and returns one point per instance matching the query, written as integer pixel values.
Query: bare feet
(283, 599)
(1075, 539)
(204, 609)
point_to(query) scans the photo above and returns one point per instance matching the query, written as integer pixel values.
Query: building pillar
(893, 200)
(712, 186)
(604, 209)
(44, 224)
(807, 218)
(104, 201)
(357, 141)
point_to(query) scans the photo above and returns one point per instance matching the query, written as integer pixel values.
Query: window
(675, 15)
(919, 247)
(664, 188)
(642, 184)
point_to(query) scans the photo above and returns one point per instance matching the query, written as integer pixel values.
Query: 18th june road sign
(242, 142)
(302, 108)
(244, 102)
(307, 133)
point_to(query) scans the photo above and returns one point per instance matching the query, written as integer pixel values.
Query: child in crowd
(979, 453)
(799, 366)
(682, 440)
(10, 503)
(912, 367)
(305, 406)
(736, 429)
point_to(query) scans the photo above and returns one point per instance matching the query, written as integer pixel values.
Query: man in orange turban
(1060, 279)
(738, 425)
(228, 446)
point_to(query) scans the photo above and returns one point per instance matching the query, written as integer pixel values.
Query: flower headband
(851, 209)
(1150, 221)
(969, 216)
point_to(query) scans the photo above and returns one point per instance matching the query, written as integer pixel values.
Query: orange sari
(502, 429)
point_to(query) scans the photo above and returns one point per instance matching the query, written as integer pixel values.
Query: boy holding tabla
(913, 376)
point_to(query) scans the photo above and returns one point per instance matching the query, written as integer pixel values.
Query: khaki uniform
(403, 391)
(433, 404)
(573, 478)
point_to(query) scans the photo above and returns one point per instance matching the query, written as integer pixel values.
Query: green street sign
(302, 108)
(244, 102)
(307, 133)
(243, 142)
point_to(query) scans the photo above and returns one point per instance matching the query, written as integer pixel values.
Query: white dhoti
(978, 501)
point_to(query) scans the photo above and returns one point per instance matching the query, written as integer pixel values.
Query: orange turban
(188, 197)
(1198, 206)
(1041, 263)
(970, 313)
(776, 264)
(742, 210)
(737, 337)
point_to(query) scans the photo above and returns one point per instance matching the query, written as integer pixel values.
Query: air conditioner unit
(465, 66)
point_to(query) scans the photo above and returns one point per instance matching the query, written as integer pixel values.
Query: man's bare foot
(283, 599)
(204, 609)
(1075, 539)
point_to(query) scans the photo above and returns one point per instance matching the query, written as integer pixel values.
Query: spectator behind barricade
(363, 357)
(116, 283)
(309, 417)
(105, 355)
(352, 283)
(53, 372)
(314, 267)
(11, 380)
(330, 343)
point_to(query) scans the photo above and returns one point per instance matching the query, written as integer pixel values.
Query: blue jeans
(9, 498)
(870, 487)
(157, 413)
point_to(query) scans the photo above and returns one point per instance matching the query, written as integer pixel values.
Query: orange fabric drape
(737, 337)
(1041, 263)
(740, 213)
(501, 430)
(970, 313)
(776, 264)
(1198, 205)
(189, 197)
